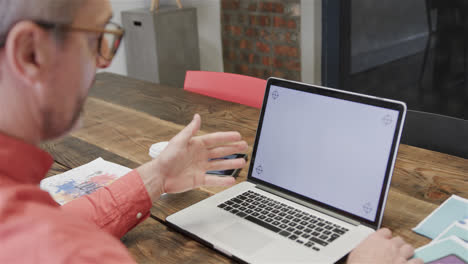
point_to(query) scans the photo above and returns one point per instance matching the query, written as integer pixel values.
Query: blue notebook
(452, 210)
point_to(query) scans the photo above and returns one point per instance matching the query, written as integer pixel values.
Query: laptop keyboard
(311, 231)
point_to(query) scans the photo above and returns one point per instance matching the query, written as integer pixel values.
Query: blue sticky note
(451, 248)
(453, 209)
(458, 229)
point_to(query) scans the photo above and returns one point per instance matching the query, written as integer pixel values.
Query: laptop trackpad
(242, 237)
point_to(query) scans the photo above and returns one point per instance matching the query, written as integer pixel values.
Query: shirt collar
(21, 162)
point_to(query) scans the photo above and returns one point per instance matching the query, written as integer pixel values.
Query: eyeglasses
(110, 37)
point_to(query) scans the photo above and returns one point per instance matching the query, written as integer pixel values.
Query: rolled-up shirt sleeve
(116, 208)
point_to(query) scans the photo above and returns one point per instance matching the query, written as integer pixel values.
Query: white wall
(209, 30)
(311, 41)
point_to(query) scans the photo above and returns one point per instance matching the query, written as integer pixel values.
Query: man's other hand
(381, 248)
(183, 164)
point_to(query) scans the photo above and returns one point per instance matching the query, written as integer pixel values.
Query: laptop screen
(327, 149)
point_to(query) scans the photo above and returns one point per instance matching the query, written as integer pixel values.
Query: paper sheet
(82, 180)
(458, 229)
(453, 209)
(451, 250)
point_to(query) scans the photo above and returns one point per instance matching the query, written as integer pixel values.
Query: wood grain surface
(123, 117)
(177, 106)
(153, 242)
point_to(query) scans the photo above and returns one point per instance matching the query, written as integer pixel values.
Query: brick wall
(261, 38)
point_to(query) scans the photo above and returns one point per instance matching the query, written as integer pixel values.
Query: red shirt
(35, 229)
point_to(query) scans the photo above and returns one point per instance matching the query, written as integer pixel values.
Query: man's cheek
(78, 124)
(88, 77)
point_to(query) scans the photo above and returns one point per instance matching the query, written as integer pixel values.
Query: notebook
(318, 180)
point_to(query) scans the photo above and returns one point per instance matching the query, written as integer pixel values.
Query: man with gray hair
(49, 53)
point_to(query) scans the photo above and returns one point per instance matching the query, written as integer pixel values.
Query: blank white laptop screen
(330, 150)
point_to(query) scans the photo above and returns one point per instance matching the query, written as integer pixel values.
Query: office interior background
(414, 51)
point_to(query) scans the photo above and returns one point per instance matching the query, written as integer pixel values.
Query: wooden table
(123, 117)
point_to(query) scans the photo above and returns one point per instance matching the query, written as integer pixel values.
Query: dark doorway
(414, 51)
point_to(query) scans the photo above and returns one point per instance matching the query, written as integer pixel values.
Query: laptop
(318, 180)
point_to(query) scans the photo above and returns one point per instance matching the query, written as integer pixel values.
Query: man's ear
(29, 49)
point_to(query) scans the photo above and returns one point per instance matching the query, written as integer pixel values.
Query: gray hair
(53, 11)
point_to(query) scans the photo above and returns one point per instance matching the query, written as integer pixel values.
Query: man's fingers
(212, 180)
(415, 261)
(190, 130)
(407, 251)
(384, 232)
(237, 147)
(226, 164)
(219, 138)
(398, 241)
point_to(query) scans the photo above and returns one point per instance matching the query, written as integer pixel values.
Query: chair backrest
(436, 132)
(231, 87)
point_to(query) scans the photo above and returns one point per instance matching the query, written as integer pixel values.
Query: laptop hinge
(309, 205)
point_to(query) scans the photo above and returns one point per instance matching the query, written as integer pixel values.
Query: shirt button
(139, 215)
